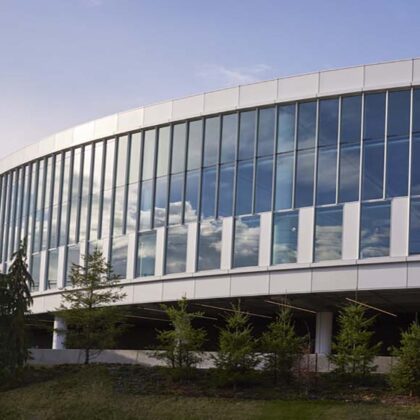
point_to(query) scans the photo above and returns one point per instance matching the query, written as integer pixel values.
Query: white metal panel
(388, 74)
(351, 220)
(399, 227)
(416, 71)
(147, 292)
(130, 120)
(298, 87)
(64, 139)
(52, 302)
(128, 291)
(43, 271)
(221, 100)
(187, 107)
(258, 93)
(382, 276)
(106, 126)
(157, 114)
(47, 145)
(131, 256)
(191, 247)
(305, 235)
(37, 305)
(160, 251)
(413, 279)
(334, 278)
(210, 287)
(343, 80)
(227, 241)
(264, 256)
(61, 271)
(83, 133)
(249, 284)
(177, 289)
(290, 281)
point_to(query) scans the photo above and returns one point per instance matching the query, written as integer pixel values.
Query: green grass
(90, 394)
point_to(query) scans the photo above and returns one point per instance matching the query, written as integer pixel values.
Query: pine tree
(92, 324)
(353, 351)
(405, 375)
(283, 347)
(180, 346)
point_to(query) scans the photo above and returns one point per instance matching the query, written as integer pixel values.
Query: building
(305, 186)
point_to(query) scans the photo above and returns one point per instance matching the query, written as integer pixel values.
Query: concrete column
(59, 334)
(323, 335)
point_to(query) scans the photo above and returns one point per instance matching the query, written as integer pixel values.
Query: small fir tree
(405, 375)
(353, 351)
(236, 354)
(283, 347)
(181, 345)
(92, 325)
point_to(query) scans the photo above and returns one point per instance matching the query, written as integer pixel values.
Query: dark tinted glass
(349, 173)
(286, 128)
(179, 142)
(211, 141)
(305, 178)
(415, 165)
(195, 141)
(374, 229)
(244, 187)
(146, 251)
(229, 134)
(176, 249)
(328, 122)
(374, 119)
(398, 113)
(161, 201)
(175, 199)
(373, 170)
(351, 113)
(327, 174)
(306, 125)
(246, 241)
(146, 205)
(285, 236)
(397, 167)
(209, 245)
(208, 193)
(247, 134)
(328, 233)
(416, 110)
(226, 179)
(191, 195)
(414, 247)
(119, 256)
(263, 184)
(284, 181)
(266, 126)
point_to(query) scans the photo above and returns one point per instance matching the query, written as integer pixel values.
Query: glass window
(328, 122)
(229, 134)
(191, 195)
(263, 184)
(175, 199)
(164, 147)
(161, 201)
(327, 174)
(416, 110)
(244, 187)
(285, 237)
(349, 173)
(328, 233)
(148, 154)
(119, 256)
(374, 229)
(246, 241)
(306, 125)
(247, 134)
(208, 193)
(286, 128)
(373, 170)
(35, 269)
(146, 252)
(176, 249)
(119, 211)
(209, 245)
(211, 141)
(73, 257)
(415, 164)
(398, 113)
(122, 161)
(305, 178)
(146, 203)
(266, 127)
(374, 121)
(397, 167)
(132, 212)
(52, 268)
(284, 181)
(195, 140)
(414, 246)
(226, 180)
(96, 190)
(351, 114)
(109, 165)
(178, 148)
(135, 158)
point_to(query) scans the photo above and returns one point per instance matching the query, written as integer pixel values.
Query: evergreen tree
(353, 351)
(92, 325)
(181, 344)
(283, 347)
(405, 375)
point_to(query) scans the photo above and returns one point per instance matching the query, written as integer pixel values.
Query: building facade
(306, 186)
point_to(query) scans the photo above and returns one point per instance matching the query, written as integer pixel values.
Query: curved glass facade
(279, 159)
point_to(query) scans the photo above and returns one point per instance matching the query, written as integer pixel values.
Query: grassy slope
(89, 395)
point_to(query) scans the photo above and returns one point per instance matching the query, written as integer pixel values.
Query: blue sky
(64, 62)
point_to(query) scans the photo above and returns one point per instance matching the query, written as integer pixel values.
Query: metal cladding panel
(188, 107)
(209, 287)
(388, 74)
(305, 235)
(351, 218)
(413, 277)
(160, 247)
(290, 281)
(47, 145)
(105, 127)
(177, 289)
(221, 100)
(192, 243)
(416, 71)
(64, 139)
(250, 284)
(84, 132)
(130, 120)
(334, 279)
(131, 256)
(258, 93)
(61, 269)
(350, 79)
(382, 276)
(147, 292)
(399, 226)
(157, 114)
(227, 240)
(264, 256)
(298, 87)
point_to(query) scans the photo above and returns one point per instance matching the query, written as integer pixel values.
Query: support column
(59, 334)
(323, 335)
